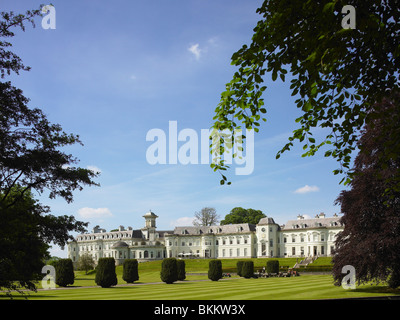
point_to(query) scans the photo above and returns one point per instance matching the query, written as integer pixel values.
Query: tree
(369, 241)
(215, 270)
(130, 271)
(239, 266)
(206, 217)
(64, 272)
(272, 266)
(240, 215)
(180, 264)
(105, 273)
(247, 269)
(85, 262)
(337, 74)
(26, 229)
(169, 270)
(29, 143)
(31, 160)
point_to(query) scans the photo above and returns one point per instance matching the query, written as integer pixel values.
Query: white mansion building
(297, 238)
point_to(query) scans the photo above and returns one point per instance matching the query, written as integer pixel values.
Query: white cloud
(195, 50)
(307, 189)
(183, 222)
(89, 213)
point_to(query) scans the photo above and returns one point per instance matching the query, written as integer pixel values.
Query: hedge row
(245, 268)
(319, 268)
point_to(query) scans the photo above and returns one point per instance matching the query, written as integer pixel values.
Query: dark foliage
(105, 273)
(64, 272)
(169, 270)
(30, 160)
(26, 228)
(215, 270)
(272, 266)
(181, 269)
(130, 271)
(248, 269)
(239, 266)
(371, 236)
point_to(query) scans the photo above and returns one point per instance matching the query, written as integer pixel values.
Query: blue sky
(112, 71)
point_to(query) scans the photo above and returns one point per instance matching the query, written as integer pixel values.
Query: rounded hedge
(239, 266)
(248, 269)
(169, 270)
(130, 272)
(105, 273)
(215, 270)
(64, 272)
(181, 269)
(272, 266)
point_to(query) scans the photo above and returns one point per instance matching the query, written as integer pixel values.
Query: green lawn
(198, 287)
(295, 288)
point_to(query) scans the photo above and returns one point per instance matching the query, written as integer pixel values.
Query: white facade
(297, 238)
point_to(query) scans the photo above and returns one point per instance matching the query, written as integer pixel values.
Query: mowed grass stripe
(303, 287)
(229, 289)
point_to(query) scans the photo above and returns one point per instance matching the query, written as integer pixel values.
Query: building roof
(266, 220)
(150, 214)
(119, 244)
(320, 221)
(225, 229)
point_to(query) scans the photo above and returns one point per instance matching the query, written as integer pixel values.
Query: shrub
(272, 266)
(105, 273)
(248, 269)
(64, 272)
(181, 269)
(239, 266)
(169, 270)
(215, 270)
(394, 279)
(130, 272)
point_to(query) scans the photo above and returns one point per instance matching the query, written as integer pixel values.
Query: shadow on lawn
(378, 289)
